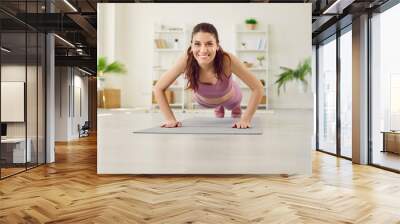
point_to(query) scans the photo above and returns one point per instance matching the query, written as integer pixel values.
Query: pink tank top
(219, 89)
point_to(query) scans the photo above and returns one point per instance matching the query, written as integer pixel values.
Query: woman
(208, 70)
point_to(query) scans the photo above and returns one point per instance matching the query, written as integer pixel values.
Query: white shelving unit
(165, 53)
(250, 44)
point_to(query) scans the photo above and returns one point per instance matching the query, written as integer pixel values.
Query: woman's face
(204, 47)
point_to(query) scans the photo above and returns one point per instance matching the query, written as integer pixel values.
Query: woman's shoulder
(181, 62)
(230, 59)
(227, 56)
(183, 57)
(227, 63)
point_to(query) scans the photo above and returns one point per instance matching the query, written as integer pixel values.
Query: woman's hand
(243, 123)
(171, 124)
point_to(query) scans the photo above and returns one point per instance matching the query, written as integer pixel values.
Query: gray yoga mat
(206, 125)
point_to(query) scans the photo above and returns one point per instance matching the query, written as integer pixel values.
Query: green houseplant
(103, 67)
(298, 74)
(108, 98)
(251, 23)
(260, 59)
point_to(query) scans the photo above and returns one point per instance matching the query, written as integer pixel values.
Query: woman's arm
(159, 91)
(254, 84)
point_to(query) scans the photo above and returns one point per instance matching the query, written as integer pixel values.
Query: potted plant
(260, 59)
(251, 23)
(104, 68)
(299, 74)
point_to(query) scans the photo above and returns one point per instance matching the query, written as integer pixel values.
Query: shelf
(169, 31)
(176, 87)
(171, 105)
(160, 69)
(163, 69)
(257, 69)
(251, 50)
(167, 50)
(252, 31)
(246, 87)
(172, 87)
(176, 105)
(259, 105)
(249, 44)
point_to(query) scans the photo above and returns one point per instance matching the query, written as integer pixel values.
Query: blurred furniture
(169, 94)
(84, 130)
(109, 98)
(264, 100)
(391, 141)
(13, 150)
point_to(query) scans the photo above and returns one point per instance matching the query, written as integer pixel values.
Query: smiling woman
(208, 69)
(207, 73)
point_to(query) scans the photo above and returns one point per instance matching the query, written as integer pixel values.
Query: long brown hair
(192, 70)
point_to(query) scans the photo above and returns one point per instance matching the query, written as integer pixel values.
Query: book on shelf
(261, 44)
(175, 29)
(160, 43)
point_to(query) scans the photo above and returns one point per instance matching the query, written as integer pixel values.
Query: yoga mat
(206, 125)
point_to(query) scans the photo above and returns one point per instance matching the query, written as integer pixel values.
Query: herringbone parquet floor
(70, 191)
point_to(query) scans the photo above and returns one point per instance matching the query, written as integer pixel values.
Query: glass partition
(385, 81)
(346, 93)
(22, 67)
(13, 95)
(327, 96)
(31, 100)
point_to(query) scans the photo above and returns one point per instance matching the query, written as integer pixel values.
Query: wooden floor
(387, 159)
(5, 172)
(70, 191)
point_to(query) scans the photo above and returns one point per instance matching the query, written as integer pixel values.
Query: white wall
(17, 73)
(81, 84)
(107, 40)
(289, 40)
(61, 103)
(68, 84)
